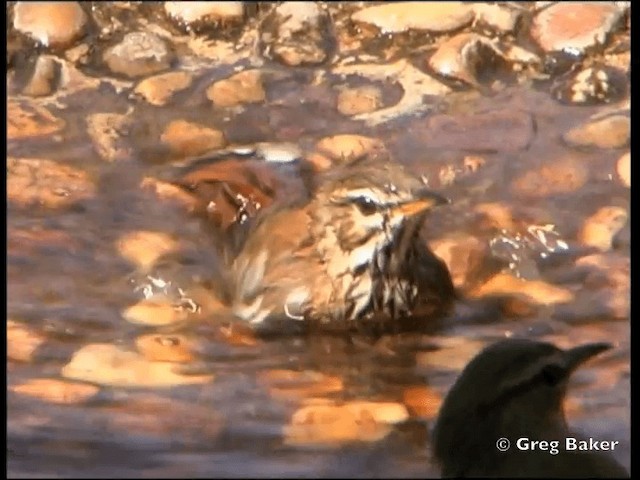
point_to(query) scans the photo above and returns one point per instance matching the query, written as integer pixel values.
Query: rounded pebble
(56, 391)
(600, 228)
(143, 248)
(563, 175)
(107, 364)
(50, 23)
(395, 17)
(30, 120)
(243, 87)
(574, 26)
(536, 291)
(190, 139)
(327, 424)
(153, 312)
(340, 147)
(191, 12)
(354, 101)
(45, 182)
(159, 89)
(165, 348)
(623, 167)
(22, 342)
(139, 54)
(610, 132)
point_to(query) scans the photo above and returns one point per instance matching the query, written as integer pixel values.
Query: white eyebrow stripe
(364, 192)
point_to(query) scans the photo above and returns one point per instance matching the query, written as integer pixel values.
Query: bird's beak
(423, 200)
(578, 355)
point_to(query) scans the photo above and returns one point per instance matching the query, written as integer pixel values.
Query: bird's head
(514, 386)
(367, 203)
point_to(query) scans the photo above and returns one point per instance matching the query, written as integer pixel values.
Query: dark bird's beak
(578, 355)
(423, 200)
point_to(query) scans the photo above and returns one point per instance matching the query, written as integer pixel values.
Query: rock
(165, 348)
(574, 26)
(465, 256)
(30, 120)
(472, 163)
(109, 133)
(168, 191)
(349, 147)
(328, 424)
(56, 391)
(281, 152)
(159, 89)
(501, 131)
(467, 57)
(535, 291)
(106, 364)
(45, 182)
(561, 175)
(143, 248)
(318, 161)
(139, 54)
(204, 12)
(78, 54)
(623, 168)
(422, 401)
(296, 34)
(354, 101)
(50, 23)
(22, 342)
(190, 139)
(243, 87)
(607, 284)
(501, 18)
(600, 228)
(294, 384)
(154, 311)
(416, 85)
(397, 17)
(590, 86)
(610, 132)
(44, 75)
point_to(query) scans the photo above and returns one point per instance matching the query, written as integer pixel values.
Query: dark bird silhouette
(515, 389)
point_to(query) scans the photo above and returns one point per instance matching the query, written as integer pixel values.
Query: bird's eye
(553, 374)
(366, 205)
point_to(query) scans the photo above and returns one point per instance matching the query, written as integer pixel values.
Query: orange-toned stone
(243, 87)
(50, 23)
(348, 147)
(159, 89)
(165, 348)
(422, 401)
(45, 182)
(56, 391)
(154, 312)
(537, 291)
(30, 120)
(600, 228)
(190, 139)
(144, 247)
(22, 342)
(292, 384)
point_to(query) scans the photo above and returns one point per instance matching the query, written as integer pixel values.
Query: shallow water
(68, 283)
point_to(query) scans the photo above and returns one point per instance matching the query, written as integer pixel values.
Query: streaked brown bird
(515, 389)
(349, 253)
